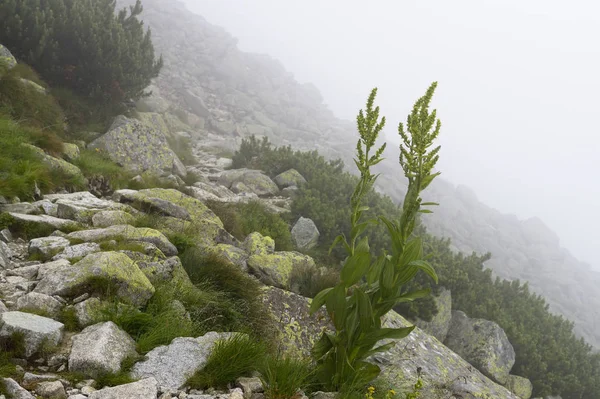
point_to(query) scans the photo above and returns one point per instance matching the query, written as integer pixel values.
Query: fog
(518, 87)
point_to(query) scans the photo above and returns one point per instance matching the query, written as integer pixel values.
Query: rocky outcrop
(36, 330)
(276, 269)
(305, 234)
(138, 147)
(445, 375)
(483, 344)
(6, 58)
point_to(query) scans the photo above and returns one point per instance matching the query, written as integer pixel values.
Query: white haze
(518, 87)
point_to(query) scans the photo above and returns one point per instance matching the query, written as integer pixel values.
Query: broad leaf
(319, 300)
(426, 267)
(355, 268)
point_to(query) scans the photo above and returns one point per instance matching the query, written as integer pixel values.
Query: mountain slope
(231, 93)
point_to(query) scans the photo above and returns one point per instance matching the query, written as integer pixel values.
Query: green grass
(308, 282)
(68, 316)
(93, 163)
(242, 219)
(230, 359)
(283, 376)
(121, 377)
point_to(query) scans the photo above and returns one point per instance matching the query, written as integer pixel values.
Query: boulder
(64, 167)
(445, 374)
(71, 151)
(30, 380)
(14, 390)
(127, 233)
(250, 385)
(111, 218)
(173, 364)
(483, 344)
(36, 330)
(520, 386)
(45, 248)
(143, 389)
(27, 272)
(3, 307)
(127, 281)
(6, 58)
(137, 147)
(78, 251)
(51, 390)
(34, 302)
(21, 207)
(248, 180)
(160, 271)
(289, 178)
(276, 269)
(87, 311)
(83, 210)
(100, 349)
(305, 234)
(44, 221)
(257, 244)
(229, 254)
(440, 323)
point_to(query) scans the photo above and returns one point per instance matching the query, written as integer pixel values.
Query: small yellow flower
(392, 392)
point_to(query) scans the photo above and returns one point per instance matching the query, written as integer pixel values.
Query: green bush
(230, 359)
(82, 45)
(242, 219)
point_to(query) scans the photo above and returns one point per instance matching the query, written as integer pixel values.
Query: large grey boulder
(143, 389)
(127, 233)
(445, 374)
(100, 349)
(111, 218)
(6, 58)
(34, 302)
(289, 178)
(440, 323)
(257, 244)
(46, 221)
(78, 251)
(305, 234)
(276, 269)
(45, 248)
(64, 167)
(196, 104)
(83, 209)
(248, 180)
(126, 280)
(36, 330)
(173, 364)
(51, 390)
(3, 307)
(483, 344)
(15, 391)
(137, 146)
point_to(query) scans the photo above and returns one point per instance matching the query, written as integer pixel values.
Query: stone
(45, 248)
(3, 307)
(111, 218)
(6, 58)
(66, 168)
(35, 302)
(30, 380)
(289, 178)
(445, 374)
(305, 234)
(136, 146)
(20, 207)
(257, 244)
(173, 364)
(520, 386)
(196, 104)
(276, 269)
(143, 389)
(5, 254)
(129, 284)
(51, 390)
(229, 254)
(46, 221)
(160, 271)
(290, 192)
(6, 236)
(76, 196)
(253, 181)
(15, 391)
(36, 330)
(162, 207)
(83, 210)
(127, 233)
(71, 151)
(440, 323)
(482, 343)
(324, 395)
(100, 349)
(78, 251)
(87, 311)
(250, 385)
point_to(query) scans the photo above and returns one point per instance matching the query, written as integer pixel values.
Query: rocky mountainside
(223, 92)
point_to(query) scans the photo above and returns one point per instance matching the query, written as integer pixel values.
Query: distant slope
(236, 94)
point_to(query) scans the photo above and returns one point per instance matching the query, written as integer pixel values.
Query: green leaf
(355, 268)
(411, 296)
(387, 276)
(375, 270)
(426, 267)
(365, 312)
(340, 239)
(336, 306)
(371, 338)
(430, 204)
(322, 346)
(412, 251)
(319, 300)
(363, 245)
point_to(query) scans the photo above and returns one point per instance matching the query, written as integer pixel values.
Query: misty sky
(518, 87)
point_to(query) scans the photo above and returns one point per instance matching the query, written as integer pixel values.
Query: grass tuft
(282, 377)
(230, 359)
